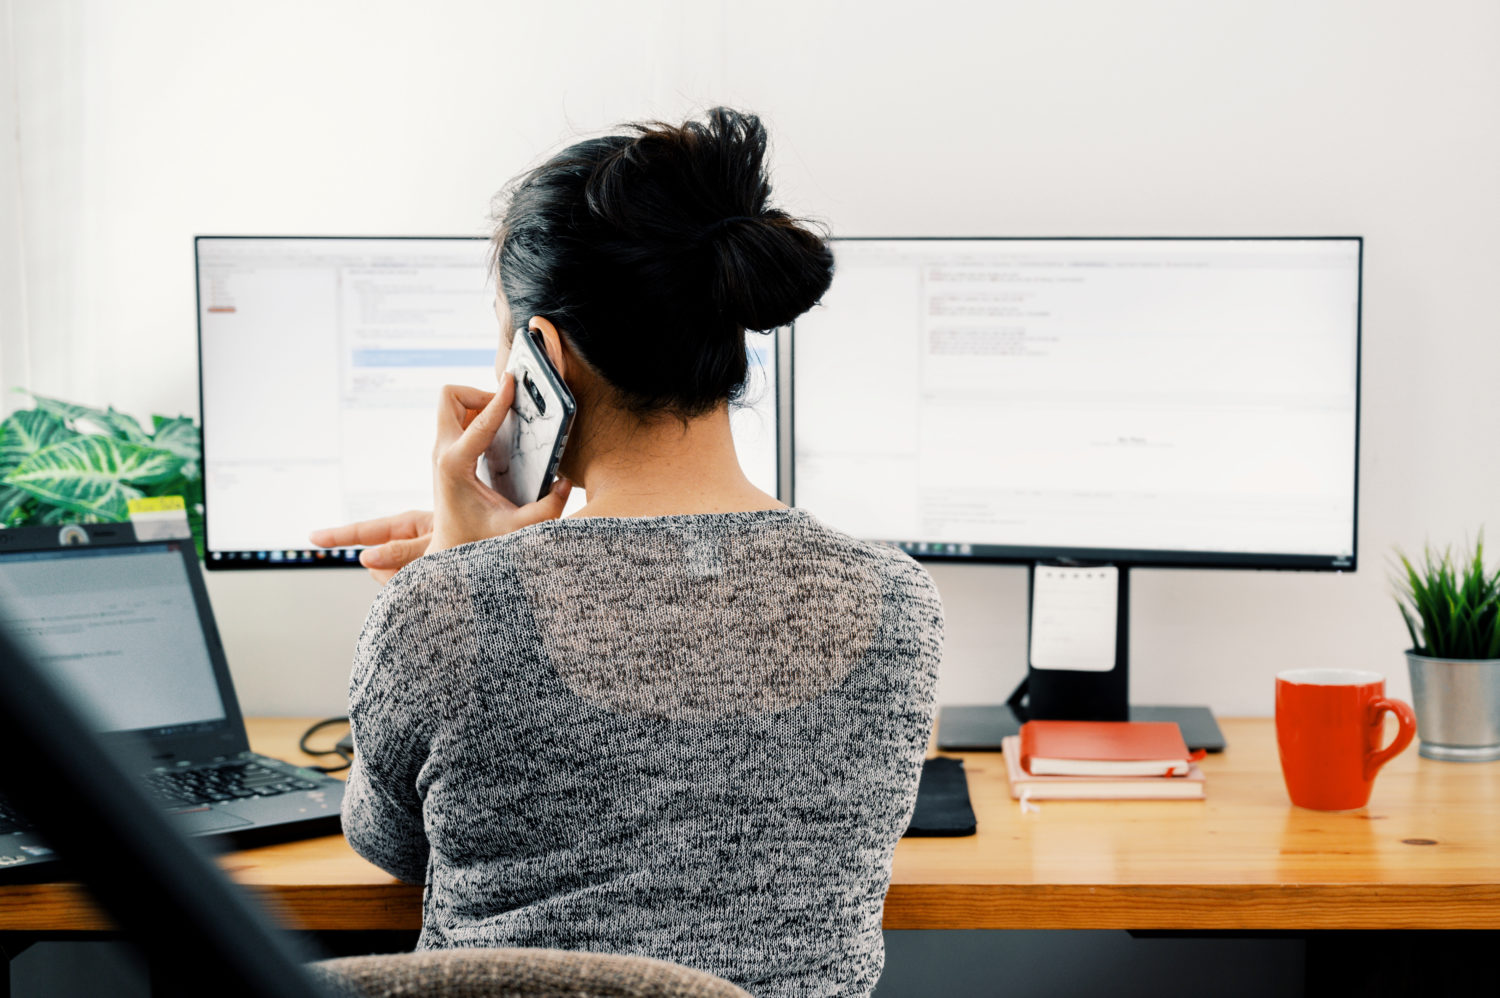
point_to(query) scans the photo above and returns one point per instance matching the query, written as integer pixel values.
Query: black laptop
(124, 626)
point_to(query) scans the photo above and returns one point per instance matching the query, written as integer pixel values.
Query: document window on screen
(118, 630)
(321, 362)
(1118, 395)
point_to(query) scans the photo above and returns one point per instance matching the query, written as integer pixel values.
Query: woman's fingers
(394, 555)
(412, 523)
(549, 506)
(459, 405)
(456, 459)
(482, 428)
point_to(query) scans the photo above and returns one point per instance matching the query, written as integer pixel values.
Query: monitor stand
(979, 727)
(1051, 694)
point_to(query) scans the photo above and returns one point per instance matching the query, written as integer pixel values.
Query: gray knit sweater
(695, 738)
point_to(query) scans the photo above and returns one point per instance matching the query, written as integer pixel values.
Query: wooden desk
(1424, 855)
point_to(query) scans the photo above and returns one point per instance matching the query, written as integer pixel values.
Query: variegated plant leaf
(93, 475)
(87, 419)
(57, 516)
(126, 427)
(24, 433)
(11, 500)
(67, 412)
(180, 437)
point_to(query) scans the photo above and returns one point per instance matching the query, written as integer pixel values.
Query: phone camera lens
(537, 398)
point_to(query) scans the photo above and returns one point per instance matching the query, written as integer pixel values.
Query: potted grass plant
(66, 463)
(1452, 610)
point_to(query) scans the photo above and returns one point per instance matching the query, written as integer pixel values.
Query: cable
(338, 750)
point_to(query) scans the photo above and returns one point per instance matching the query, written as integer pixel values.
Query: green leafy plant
(1451, 607)
(66, 463)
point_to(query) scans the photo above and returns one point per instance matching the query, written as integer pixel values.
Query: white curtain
(14, 355)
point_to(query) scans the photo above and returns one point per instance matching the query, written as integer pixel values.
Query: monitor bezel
(223, 559)
(1125, 557)
(195, 741)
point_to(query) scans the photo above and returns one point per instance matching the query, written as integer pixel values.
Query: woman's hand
(466, 509)
(395, 541)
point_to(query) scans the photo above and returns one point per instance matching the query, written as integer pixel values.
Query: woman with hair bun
(686, 722)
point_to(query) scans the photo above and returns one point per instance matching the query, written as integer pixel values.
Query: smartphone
(521, 461)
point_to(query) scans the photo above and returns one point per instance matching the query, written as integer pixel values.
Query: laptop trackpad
(205, 820)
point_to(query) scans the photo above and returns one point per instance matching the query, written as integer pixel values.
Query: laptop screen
(117, 629)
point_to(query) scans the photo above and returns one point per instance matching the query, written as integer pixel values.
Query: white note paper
(1073, 618)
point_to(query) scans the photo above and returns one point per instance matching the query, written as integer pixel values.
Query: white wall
(143, 124)
(13, 331)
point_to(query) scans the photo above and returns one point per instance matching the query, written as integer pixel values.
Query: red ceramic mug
(1328, 727)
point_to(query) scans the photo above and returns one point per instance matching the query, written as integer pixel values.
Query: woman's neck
(662, 467)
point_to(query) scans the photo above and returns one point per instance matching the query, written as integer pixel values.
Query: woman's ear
(551, 343)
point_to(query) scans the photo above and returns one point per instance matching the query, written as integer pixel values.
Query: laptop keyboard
(175, 789)
(234, 781)
(10, 821)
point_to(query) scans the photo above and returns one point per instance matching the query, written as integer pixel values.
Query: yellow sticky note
(156, 504)
(158, 518)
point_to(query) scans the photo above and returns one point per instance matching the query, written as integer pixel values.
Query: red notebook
(1104, 748)
(1026, 787)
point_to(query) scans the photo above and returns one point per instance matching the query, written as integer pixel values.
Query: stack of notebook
(1101, 760)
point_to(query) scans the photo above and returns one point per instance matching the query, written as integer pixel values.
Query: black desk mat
(942, 800)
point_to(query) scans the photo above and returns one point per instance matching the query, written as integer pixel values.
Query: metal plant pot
(1458, 707)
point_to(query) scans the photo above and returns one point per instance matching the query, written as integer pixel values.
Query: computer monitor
(320, 363)
(1120, 402)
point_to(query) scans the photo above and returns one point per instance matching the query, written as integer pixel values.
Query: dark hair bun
(654, 251)
(769, 270)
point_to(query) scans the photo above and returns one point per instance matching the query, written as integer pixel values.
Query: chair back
(516, 973)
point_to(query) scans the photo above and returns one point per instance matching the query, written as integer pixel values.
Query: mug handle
(1407, 722)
